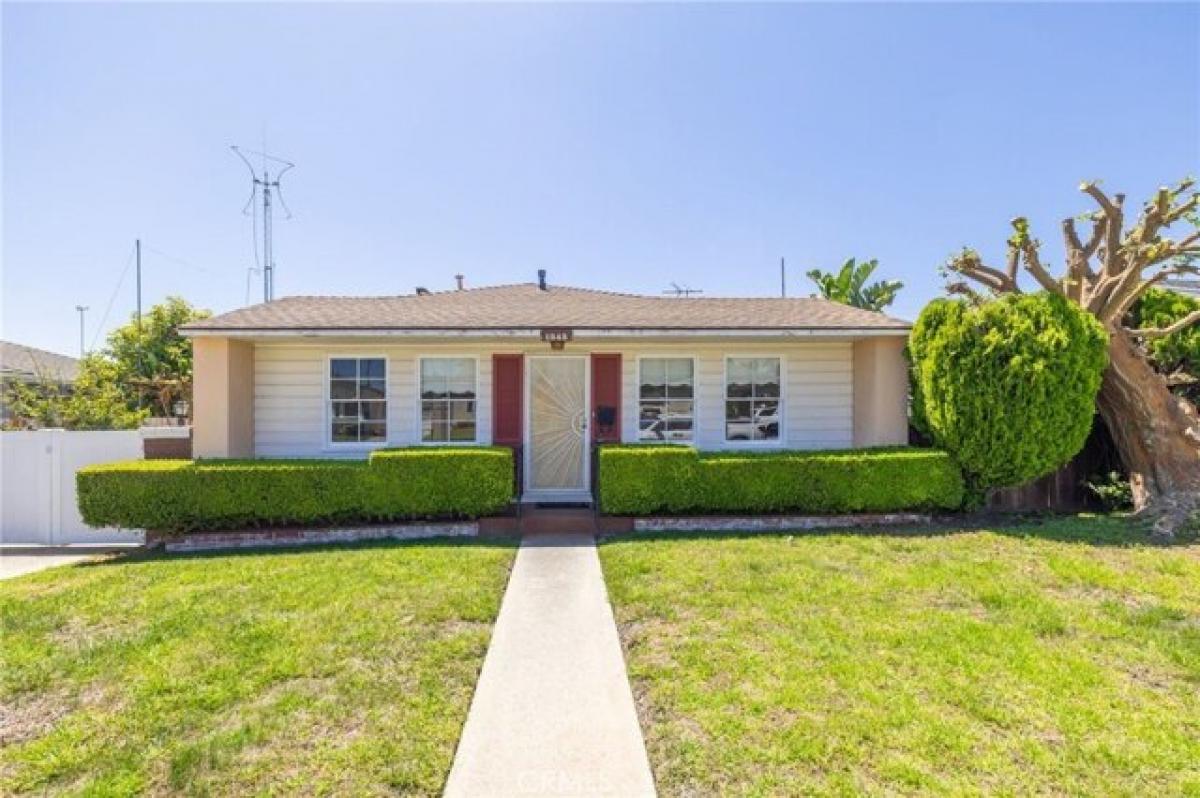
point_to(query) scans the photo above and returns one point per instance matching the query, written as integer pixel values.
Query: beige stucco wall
(880, 392)
(222, 398)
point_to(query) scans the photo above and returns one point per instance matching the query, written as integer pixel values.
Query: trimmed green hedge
(175, 496)
(645, 479)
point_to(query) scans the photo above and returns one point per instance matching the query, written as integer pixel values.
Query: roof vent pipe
(458, 278)
(542, 279)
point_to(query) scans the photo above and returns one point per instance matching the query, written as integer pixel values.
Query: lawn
(343, 670)
(1057, 658)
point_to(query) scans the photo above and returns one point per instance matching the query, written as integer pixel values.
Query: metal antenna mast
(263, 184)
(682, 290)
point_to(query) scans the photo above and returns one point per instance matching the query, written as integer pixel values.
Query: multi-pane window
(666, 398)
(358, 399)
(752, 402)
(448, 399)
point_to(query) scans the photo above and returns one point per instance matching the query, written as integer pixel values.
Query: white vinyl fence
(37, 472)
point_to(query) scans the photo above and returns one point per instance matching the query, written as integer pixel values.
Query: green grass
(1061, 658)
(344, 670)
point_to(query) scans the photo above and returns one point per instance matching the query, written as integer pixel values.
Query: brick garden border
(307, 536)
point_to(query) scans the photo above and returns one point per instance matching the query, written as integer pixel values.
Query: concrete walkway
(553, 713)
(20, 560)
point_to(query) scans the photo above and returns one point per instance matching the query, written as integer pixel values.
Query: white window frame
(637, 396)
(418, 435)
(781, 441)
(327, 415)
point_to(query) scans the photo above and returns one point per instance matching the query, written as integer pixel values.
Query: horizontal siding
(288, 401)
(290, 404)
(819, 402)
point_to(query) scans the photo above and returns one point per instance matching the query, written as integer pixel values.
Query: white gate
(37, 475)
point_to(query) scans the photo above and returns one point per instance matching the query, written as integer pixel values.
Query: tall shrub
(1007, 386)
(1176, 356)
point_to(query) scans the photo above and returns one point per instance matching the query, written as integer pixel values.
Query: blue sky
(619, 147)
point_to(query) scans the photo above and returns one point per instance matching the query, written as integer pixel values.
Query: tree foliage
(1106, 274)
(849, 285)
(1175, 356)
(1008, 386)
(139, 373)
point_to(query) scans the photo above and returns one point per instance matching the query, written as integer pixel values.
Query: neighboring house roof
(1189, 287)
(30, 364)
(525, 306)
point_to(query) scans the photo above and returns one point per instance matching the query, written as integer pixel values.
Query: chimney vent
(542, 279)
(458, 278)
(422, 291)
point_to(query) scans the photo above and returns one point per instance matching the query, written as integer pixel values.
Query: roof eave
(898, 329)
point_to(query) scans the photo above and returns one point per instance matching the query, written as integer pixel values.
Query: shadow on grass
(1120, 531)
(159, 555)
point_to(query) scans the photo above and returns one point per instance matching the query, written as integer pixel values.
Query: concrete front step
(532, 519)
(552, 520)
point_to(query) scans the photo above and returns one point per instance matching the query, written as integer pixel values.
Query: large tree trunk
(1156, 433)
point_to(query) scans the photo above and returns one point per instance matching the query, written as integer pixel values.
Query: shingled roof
(527, 306)
(28, 364)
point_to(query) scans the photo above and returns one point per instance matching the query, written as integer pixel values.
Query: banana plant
(849, 285)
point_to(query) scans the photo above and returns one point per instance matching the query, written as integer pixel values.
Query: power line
(113, 298)
(176, 260)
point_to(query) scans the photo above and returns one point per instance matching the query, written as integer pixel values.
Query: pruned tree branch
(1121, 307)
(1028, 247)
(969, 264)
(1189, 244)
(1185, 207)
(1109, 290)
(1079, 274)
(1093, 243)
(1163, 332)
(963, 289)
(1113, 219)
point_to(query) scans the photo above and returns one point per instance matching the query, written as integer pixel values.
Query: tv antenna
(682, 290)
(262, 184)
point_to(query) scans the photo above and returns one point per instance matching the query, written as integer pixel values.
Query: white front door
(556, 435)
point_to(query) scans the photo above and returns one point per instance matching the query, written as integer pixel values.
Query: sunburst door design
(557, 423)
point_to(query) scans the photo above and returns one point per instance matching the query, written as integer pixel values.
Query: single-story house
(549, 370)
(37, 367)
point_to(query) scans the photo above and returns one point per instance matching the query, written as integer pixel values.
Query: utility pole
(83, 309)
(264, 184)
(138, 246)
(782, 277)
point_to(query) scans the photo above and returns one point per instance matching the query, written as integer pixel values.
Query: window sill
(354, 447)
